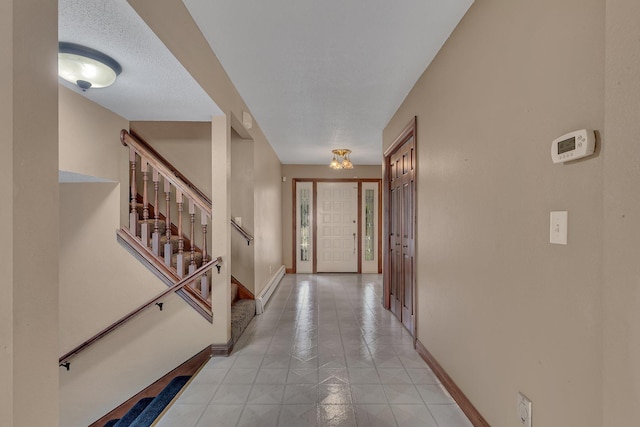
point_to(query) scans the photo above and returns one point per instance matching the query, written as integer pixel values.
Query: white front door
(337, 227)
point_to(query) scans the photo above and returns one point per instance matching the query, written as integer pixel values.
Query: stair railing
(186, 196)
(64, 361)
(248, 237)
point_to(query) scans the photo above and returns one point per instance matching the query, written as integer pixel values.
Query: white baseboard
(261, 300)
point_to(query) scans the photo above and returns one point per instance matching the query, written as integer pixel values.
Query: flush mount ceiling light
(86, 67)
(341, 159)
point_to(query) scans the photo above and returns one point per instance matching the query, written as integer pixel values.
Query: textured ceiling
(316, 75)
(325, 74)
(153, 84)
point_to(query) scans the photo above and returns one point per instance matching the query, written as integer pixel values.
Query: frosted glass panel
(304, 224)
(369, 224)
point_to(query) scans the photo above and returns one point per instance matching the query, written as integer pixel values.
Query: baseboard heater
(261, 300)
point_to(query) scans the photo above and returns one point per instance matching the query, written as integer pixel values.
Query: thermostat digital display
(573, 146)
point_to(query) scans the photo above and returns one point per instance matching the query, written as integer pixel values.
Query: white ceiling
(153, 84)
(316, 75)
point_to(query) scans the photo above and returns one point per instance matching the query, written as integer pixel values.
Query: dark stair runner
(145, 412)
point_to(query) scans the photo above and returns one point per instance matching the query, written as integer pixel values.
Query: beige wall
(256, 198)
(92, 146)
(101, 281)
(500, 307)
(268, 205)
(6, 212)
(621, 153)
(291, 172)
(28, 183)
(242, 197)
(186, 145)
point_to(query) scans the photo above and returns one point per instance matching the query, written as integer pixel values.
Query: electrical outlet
(524, 410)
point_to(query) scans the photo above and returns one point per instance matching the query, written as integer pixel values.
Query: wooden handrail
(166, 169)
(242, 231)
(64, 360)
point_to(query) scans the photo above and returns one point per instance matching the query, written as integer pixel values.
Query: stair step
(234, 292)
(160, 402)
(134, 412)
(111, 423)
(162, 226)
(242, 311)
(187, 260)
(174, 243)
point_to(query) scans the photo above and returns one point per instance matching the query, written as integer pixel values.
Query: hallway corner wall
(621, 294)
(242, 206)
(28, 214)
(498, 306)
(267, 213)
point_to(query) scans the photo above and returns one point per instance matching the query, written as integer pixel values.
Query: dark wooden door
(402, 232)
(395, 243)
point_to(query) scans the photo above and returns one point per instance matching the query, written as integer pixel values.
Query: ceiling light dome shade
(86, 67)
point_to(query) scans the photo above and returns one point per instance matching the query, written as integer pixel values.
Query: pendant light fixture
(86, 67)
(341, 159)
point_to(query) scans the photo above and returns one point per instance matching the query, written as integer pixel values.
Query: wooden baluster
(133, 215)
(192, 225)
(155, 241)
(144, 229)
(180, 263)
(168, 249)
(204, 280)
(204, 221)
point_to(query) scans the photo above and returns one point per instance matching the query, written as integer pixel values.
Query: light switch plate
(558, 226)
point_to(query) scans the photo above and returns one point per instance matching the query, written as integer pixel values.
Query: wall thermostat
(573, 146)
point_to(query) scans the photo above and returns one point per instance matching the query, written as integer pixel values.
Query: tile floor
(324, 353)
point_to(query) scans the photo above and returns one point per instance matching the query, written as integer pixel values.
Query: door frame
(315, 182)
(407, 133)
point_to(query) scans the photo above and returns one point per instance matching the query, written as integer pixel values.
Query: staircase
(162, 234)
(148, 409)
(164, 210)
(163, 237)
